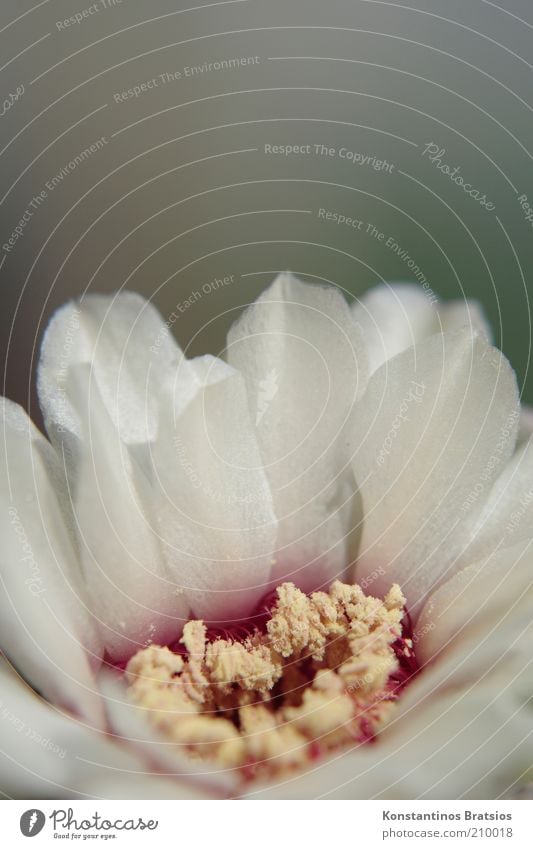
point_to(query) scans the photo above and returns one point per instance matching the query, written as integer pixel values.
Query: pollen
(322, 672)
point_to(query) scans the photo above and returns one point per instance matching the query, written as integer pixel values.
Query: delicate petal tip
(123, 338)
(134, 598)
(286, 286)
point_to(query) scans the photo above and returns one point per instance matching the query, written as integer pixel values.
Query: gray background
(182, 192)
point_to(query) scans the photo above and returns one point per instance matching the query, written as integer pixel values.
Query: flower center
(324, 671)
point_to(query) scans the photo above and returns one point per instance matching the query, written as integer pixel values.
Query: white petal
(480, 609)
(46, 754)
(393, 317)
(134, 598)
(44, 624)
(304, 366)
(435, 427)
(506, 516)
(125, 340)
(213, 501)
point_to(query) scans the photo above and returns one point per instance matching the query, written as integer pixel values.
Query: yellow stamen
(315, 679)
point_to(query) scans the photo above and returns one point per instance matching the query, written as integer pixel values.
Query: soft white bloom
(380, 443)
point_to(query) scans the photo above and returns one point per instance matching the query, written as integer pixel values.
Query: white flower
(382, 443)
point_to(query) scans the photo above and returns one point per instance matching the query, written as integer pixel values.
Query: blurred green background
(186, 189)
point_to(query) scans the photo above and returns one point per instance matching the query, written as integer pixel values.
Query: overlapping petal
(304, 366)
(484, 608)
(505, 517)
(45, 626)
(134, 597)
(212, 498)
(434, 429)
